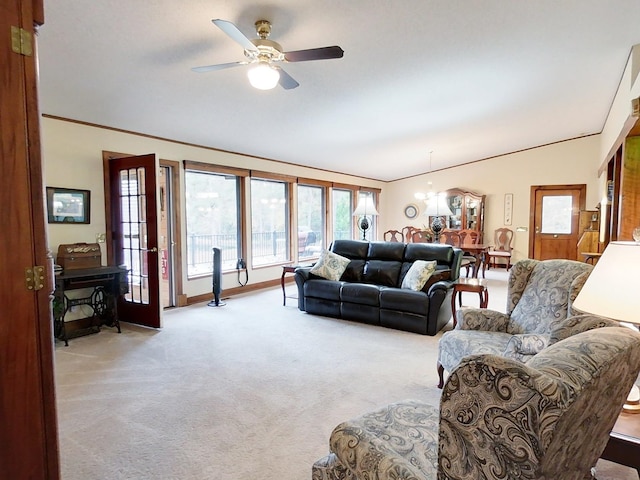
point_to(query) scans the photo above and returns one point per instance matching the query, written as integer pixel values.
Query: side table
(476, 285)
(624, 441)
(286, 269)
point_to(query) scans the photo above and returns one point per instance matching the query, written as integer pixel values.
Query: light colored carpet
(248, 390)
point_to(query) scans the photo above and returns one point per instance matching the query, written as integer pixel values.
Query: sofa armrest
(301, 275)
(471, 318)
(578, 324)
(441, 278)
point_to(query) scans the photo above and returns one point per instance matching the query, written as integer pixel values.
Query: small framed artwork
(508, 208)
(67, 205)
(411, 211)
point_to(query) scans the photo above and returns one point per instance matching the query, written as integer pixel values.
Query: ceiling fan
(264, 55)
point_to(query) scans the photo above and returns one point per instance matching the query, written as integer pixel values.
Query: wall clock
(411, 211)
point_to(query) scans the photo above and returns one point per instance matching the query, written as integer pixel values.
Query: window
(269, 221)
(212, 211)
(311, 220)
(342, 201)
(557, 214)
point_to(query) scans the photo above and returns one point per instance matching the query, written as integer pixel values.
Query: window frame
(223, 170)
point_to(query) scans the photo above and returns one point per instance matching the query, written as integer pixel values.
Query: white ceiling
(463, 79)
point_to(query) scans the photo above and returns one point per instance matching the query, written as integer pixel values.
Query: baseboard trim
(230, 292)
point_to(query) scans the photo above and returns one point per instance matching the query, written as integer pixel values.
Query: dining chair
(393, 236)
(407, 233)
(421, 236)
(450, 237)
(501, 249)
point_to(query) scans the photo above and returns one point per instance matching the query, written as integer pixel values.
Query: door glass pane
(310, 221)
(455, 203)
(134, 229)
(556, 214)
(342, 218)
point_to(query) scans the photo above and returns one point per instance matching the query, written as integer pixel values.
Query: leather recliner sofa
(370, 290)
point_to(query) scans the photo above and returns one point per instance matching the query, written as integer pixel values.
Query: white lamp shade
(437, 207)
(365, 207)
(263, 77)
(608, 291)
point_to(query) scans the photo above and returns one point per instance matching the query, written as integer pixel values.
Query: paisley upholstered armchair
(540, 294)
(498, 418)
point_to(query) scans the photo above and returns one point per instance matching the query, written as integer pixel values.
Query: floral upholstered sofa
(499, 418)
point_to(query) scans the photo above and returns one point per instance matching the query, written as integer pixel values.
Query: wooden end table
(624, 441)
(475, 285)
(288, 269)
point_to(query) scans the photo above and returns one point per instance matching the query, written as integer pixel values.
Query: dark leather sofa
(369, 289)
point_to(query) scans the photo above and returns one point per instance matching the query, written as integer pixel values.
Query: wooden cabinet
(623, 187)
(467, 208)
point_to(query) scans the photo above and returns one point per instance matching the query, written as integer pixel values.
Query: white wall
(72, 156)
(570, 162)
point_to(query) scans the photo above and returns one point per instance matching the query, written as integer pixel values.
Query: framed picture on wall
(67, 205)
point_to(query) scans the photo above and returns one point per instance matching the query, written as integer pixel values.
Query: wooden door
(555, 219)
(133, 223)
(28, 431)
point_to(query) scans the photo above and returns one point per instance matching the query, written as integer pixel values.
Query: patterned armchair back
(547, 419)
(541, 292)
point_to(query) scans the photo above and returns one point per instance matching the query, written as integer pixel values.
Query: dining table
(477, 250)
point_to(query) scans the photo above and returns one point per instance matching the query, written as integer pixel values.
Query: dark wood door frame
(106, 155)
(28, 428)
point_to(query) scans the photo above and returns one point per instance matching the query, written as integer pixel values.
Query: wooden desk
(468, 285)
(624, 441)
(478, 250)
(106, 284)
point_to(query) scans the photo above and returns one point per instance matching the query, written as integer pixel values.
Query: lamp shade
(608, 291)
(437, 206)
(263, 77)
(365, 207)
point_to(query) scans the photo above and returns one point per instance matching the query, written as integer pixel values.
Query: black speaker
(217, 278)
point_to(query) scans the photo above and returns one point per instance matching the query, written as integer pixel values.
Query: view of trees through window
(212, 220)
(269, 221)
(311, 221)
(214, 217)
(342, 209)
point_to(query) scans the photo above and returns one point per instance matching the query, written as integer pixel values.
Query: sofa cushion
(330, 265)
(360, 293)
(404, 300)
(386, 251)
(326, 289)
(418, 274)
(382, 272)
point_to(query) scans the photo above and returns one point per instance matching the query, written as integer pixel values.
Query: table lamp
(364, 210)
(606, 294)
(437, 208)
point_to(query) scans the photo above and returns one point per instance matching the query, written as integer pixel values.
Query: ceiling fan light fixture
(263, 77)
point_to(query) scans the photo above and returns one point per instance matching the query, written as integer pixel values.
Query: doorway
(555, 221)
(169, 234)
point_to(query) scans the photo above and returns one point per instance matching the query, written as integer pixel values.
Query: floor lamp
(364, 210)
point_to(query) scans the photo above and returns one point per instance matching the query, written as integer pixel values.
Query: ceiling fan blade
(286, 81)
(232, 31)
(322, 53)
(220, 66)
